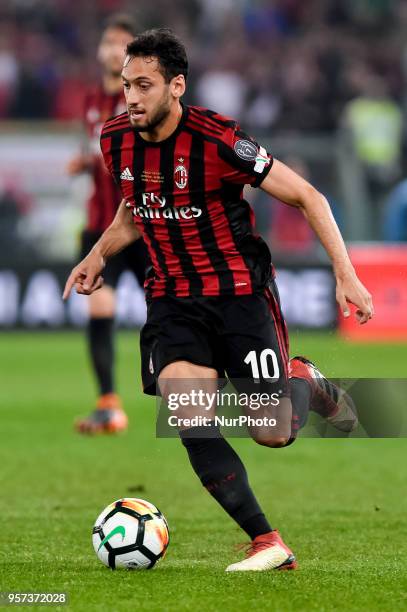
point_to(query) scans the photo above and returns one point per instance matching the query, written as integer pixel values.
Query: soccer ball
(130, 533)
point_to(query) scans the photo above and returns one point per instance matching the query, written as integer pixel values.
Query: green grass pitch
(340, 504)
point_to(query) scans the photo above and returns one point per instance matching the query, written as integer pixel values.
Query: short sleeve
(246, 162)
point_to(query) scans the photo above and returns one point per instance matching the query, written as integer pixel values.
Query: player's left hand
(349, 290)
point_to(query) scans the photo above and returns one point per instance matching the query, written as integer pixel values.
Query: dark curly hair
(166, 47)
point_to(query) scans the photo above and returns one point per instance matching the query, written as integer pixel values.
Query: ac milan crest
(181, 174)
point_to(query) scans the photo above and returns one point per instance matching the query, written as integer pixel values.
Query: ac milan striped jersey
(105, 196)
(186, 195)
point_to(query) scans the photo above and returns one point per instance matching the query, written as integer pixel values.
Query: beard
(159, 115)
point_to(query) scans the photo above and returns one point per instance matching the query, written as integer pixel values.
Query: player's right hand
(78, 164)
(86, 277)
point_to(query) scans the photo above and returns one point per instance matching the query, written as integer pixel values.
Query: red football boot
(109, 417)
(264, 553)
(327, 400)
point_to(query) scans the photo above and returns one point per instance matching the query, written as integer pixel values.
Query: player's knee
(272, 441)
(187, 370)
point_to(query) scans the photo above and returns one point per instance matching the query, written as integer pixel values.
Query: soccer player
(212, 300)
(103, 101)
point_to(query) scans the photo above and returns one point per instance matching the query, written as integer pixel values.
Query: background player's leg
(108, 417)
(100, 337)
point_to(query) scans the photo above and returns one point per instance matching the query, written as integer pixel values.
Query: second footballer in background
(103, 101)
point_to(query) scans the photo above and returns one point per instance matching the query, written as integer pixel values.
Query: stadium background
(323, 84)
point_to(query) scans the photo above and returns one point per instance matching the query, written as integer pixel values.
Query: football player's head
(119, 31)
(154, 77)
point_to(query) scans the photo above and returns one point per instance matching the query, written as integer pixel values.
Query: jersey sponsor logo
(246, 150)
(126, 175)
(181, 174)
(170, 212)
(153, 200)
(154, 207)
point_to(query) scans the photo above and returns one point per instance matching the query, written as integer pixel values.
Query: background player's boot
(327, 399)
(265, 552)
(108, 417)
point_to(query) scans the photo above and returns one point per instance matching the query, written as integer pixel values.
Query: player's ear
(178, 86)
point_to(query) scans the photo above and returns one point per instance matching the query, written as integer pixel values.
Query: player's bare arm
(287, 186)
(79, 164)
(87, 275)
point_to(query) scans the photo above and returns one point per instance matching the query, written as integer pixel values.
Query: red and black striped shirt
(186, 194)
(105, 196)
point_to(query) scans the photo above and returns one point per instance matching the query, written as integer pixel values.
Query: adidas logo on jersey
(126, 175)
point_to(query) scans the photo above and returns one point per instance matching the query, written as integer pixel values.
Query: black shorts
(133, 258)
(244, 337)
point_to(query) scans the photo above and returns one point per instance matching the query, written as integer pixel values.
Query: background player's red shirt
(186, 193)
(105, 196)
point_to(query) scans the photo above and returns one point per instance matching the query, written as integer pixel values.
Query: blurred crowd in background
(279, 66)
(285, 64)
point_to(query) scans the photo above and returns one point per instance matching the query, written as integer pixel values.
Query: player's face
(112, 49)
(149, 98)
